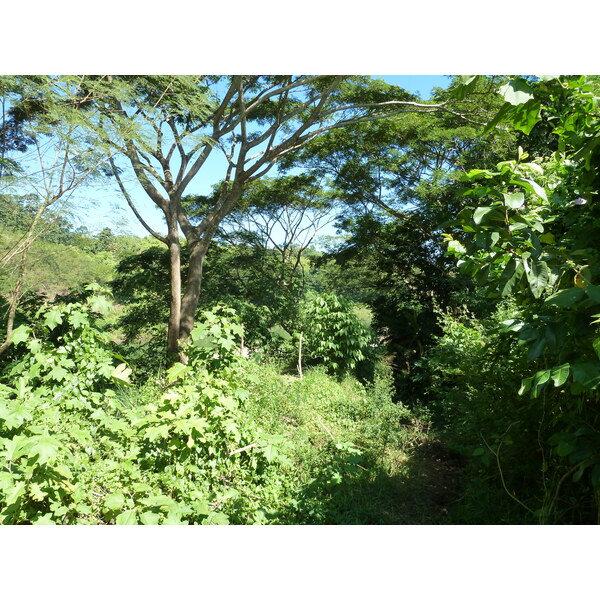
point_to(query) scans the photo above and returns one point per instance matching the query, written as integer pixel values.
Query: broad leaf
(149, 518)
(516, 92)
(127, 517)
(114, 501)
(515, 200)
(560, 374)
(176, 371)
(593, 292)
(45, 447)
(538, 277)
(565, 298)
(20, 334)
(53, 318)
(525, 116)
(530, 186)
(487, 213)
(587, 374)
(122, 373)
(512, 274)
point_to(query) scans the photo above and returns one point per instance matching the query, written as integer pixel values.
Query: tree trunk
(12, 311)
(190, 299)
(175, 281)
(198, 250)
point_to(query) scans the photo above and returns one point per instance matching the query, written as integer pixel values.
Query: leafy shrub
(345, 439)
(334, 335)
(76, 453)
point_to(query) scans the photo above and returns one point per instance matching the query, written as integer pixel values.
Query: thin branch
(497, 455)
(132, 205)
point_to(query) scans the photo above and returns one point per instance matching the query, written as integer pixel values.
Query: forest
(386, 311)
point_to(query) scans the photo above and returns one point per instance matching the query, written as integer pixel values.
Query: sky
(103, 206)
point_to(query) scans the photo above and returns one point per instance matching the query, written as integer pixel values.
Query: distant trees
(396, 181)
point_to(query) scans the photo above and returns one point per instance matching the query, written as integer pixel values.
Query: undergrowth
(219, 440)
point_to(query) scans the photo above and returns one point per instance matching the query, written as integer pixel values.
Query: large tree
(166, 128)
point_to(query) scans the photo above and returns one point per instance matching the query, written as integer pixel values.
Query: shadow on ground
(424, 491)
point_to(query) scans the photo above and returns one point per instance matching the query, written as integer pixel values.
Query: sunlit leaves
(516, 91)
(514, 200)
(53, 317)
(20, 334)
(122, 373)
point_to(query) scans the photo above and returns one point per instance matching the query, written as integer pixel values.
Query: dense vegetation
(437, 361)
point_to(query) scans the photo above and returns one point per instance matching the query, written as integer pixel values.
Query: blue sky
(107, 208)
(421, 84)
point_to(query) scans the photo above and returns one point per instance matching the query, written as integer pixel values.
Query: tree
(40, 119)
(167, 127)
(530, 232)
(396, 180)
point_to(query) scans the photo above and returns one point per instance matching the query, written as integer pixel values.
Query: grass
(356, 457)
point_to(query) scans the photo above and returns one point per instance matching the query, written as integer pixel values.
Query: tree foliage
(530, 232)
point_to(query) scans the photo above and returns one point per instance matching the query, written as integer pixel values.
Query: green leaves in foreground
(72, 452)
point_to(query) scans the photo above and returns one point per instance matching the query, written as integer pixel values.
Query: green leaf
(100, 304)
(16, 447)
(516, 91)
(547, 238)
(487, 213)
(270, 452)
(593, 292)
(565, 447)
(127, 517)
(121, 373)
(114, 501)
(466, 86)
(14, 493)
(17, 416)
(36, 492)
(58, 373)
(565, 298)
(176, 371)
(512, 274)
(515, 200)
(538, 277)
(536, 349)
(216, 518)
(525, 116)
(45, 447)
(587, 374)
(162, 431)
(560, 374)
(173, 518)
(149, 518)
(20, 334)
(52, 318)
(454, 246)
(525, 385)
(78, 319)
(44, 520)
(530, 186)
(506, 110)
(584, 151)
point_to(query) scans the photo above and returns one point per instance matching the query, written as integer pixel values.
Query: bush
(76, 452)
(333, 335)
